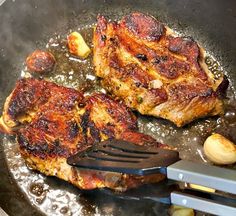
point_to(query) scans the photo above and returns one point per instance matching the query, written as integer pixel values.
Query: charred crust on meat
(185, 92)
(42, 149)
(20, 103)
(138, 84)
(109, 131)
(103, 37)
(185, 46)
(121, 114)
(172, 69)
(73, 129)
(54, 134)
(43, 124)
(74, 174)
(112, 39)
(94, 132)
(141, 56)
(160, 94)
(25, 95)
(23, 142)
(56, 143)
(139, 76)
(81, 104)
(159, 59)
(84, 121)
(143, 26)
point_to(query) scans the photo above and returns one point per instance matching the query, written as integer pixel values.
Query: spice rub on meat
(52, 122)
(152, 70)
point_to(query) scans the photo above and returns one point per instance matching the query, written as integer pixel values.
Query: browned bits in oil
(214, 67)
(54, 207)
(64, 210)
(208, 60)
(230, 114)
(36, 189)
(40, 200)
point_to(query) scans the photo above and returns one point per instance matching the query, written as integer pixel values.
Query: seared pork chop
(152, 70)
(52, 122)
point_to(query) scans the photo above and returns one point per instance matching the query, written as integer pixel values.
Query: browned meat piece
(145, 64)
(40, 62)
(52, 122)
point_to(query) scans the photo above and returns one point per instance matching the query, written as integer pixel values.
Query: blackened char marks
(90, 131)
(143, 26)
(84, 121)
(44, 124)
(171, 68)
(158, 95)
(94, 133)
(101, 30)
(163, 63)
(184, 46)
(188, 48)
(73, 129)
(28, 94)
(120, 114)
(116, 63)
(130, 72)
(41, 149)
(109, 131)
(184, 91)
(20, 103)
(141, 78)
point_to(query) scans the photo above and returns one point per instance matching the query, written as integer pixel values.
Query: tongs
(125, 157)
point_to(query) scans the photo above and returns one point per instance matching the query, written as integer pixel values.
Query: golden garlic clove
(77, 45)
(220, 150)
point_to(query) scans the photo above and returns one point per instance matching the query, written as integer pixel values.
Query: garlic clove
(220, 150)
(77, 45)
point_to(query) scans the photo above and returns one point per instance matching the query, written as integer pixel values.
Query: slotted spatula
(125, 157)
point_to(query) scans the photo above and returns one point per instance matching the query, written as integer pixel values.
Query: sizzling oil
(55, 197)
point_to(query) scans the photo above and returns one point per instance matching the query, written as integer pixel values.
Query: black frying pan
(28, 24)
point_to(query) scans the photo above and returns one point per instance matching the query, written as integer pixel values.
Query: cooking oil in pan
(56, 197)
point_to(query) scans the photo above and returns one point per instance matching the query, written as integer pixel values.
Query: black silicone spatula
(125, 157)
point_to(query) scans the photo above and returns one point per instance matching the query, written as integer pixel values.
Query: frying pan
(28, 24)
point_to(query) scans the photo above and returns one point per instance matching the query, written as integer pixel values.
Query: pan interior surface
(28, 25)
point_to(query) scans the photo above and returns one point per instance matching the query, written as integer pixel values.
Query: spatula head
(124, 157)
